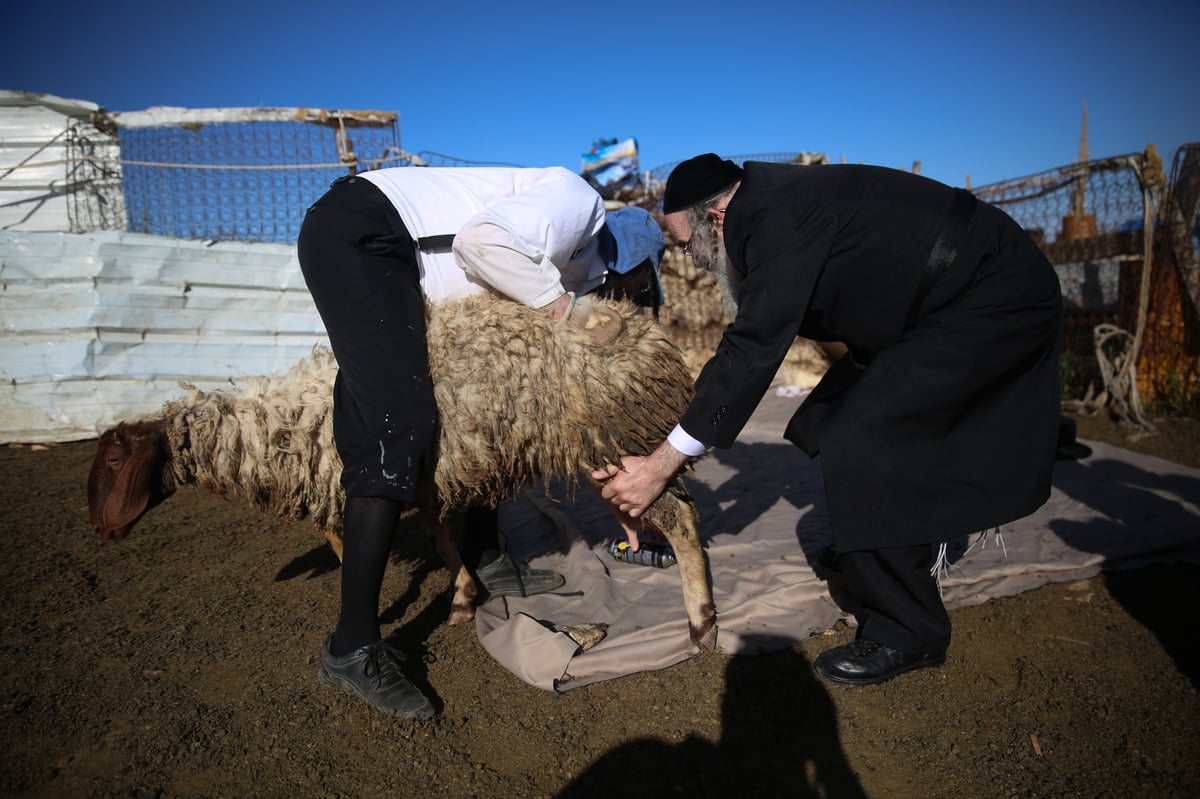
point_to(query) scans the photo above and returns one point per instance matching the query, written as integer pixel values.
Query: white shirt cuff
(680, 440)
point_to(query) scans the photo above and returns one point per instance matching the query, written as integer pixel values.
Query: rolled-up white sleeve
(519, 244)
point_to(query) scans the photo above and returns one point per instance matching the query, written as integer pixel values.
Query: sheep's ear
(101, 478)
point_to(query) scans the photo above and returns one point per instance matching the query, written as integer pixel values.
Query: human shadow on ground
(779, 737)
(315, 562)
(1158, 586)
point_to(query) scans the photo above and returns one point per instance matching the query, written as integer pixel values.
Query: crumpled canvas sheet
(763, 522)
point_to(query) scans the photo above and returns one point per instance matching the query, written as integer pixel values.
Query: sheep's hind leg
(675, 515)
(463, 590)
(335, 543)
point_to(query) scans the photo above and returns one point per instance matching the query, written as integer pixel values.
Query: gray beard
(709, 254)
(729, 280)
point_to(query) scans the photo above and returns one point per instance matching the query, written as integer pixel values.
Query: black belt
(384, 243)
(945, 248)
(442, 242)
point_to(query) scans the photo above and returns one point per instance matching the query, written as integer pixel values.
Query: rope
(1120, 373)
(120, 162)
(25, 163)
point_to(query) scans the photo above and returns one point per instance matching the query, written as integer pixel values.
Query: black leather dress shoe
(870, 663)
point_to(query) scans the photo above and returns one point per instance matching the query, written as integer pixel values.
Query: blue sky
(989, 90)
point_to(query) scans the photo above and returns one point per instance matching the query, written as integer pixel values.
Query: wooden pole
(1078, 223)
(1079, 204)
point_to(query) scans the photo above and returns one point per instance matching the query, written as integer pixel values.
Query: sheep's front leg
(675, 515)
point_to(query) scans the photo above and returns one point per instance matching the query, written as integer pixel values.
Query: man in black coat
(942, 418)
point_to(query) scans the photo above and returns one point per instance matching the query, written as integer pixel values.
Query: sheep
(522, 400)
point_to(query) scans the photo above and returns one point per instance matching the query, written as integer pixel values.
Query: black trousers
(359, 262)
(896, 599)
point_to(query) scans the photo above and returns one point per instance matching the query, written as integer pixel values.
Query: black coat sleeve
(780, 253)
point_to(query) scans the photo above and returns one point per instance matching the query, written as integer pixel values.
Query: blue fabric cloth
(629, 237)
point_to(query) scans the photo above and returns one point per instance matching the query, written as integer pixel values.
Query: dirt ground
(182, 662)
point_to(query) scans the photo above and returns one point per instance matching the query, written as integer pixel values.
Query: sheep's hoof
(460, 613)
(705, 637)
(335, 544)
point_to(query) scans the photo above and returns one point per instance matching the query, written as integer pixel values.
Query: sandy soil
(182, 662)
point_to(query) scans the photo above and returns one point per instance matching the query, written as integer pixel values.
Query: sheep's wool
(522, 400)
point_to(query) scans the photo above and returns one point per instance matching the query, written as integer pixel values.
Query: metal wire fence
(1100, 223)
(658, 175)
(249, 174)
(245, 180)
(1088, 219)
(95, 201)
(220, 174)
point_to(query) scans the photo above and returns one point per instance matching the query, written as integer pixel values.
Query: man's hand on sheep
(633, 486)
(599, 322)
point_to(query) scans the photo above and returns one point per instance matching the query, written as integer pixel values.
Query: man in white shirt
(374, 249)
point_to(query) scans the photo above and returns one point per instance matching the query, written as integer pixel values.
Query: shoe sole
(325, 678)
(920, 664)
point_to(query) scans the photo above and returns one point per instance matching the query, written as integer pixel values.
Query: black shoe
(870, 663)
(507, 577)
(374, 673)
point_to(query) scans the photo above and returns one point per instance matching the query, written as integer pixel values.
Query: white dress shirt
(529, 234)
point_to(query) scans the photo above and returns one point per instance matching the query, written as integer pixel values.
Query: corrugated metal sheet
(36, 170)
(103, 326)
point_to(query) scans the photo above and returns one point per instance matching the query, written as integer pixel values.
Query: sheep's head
(128, 476)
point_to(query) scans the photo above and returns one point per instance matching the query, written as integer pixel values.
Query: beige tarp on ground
(764, 522)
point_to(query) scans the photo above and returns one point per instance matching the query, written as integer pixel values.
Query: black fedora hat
(698, 179)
